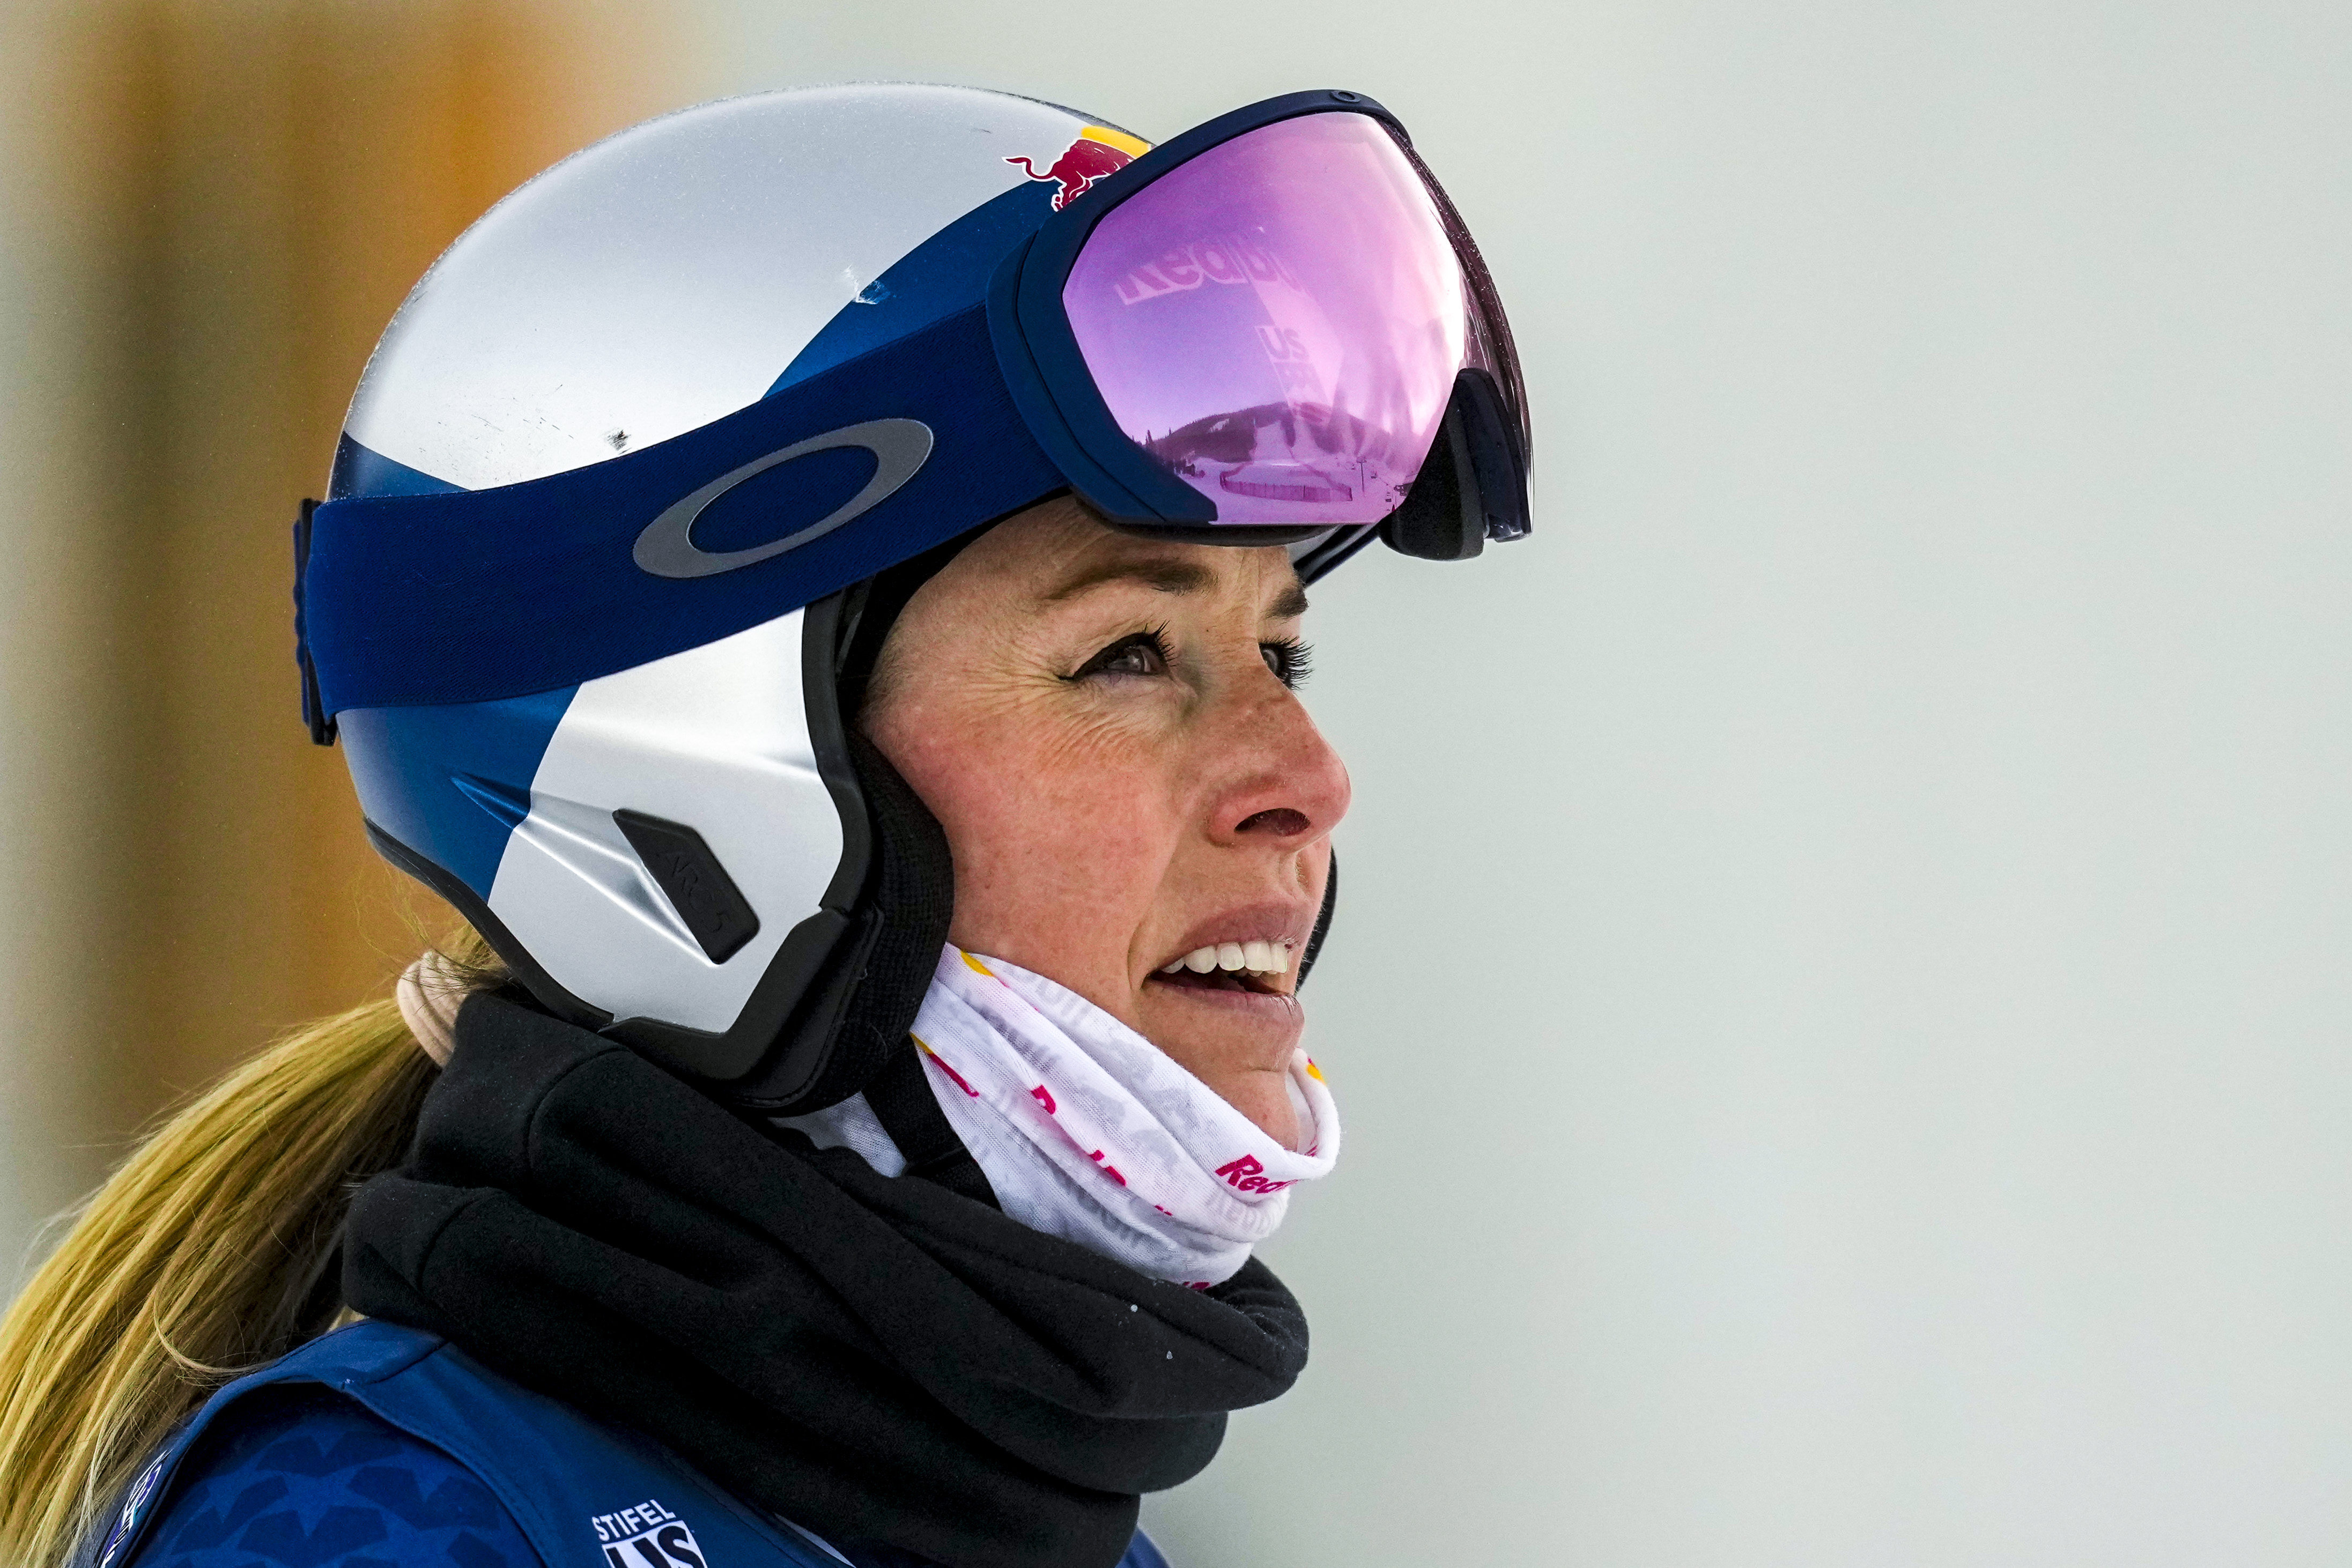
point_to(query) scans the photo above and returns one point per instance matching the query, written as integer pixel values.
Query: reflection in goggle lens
(1279, 321)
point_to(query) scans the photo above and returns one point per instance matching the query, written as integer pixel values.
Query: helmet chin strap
(901, 1098)
(1322, 917)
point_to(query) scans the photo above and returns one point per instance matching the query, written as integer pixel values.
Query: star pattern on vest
(304, 1478)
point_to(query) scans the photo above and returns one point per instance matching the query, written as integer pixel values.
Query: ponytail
(214, 1250)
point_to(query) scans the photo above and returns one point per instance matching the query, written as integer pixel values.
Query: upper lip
(1275, 920)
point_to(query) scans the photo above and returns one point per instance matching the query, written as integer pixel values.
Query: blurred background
(1839, 1004)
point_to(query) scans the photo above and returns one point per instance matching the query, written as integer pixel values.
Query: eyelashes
(1138, 653)
(1291, 659)
(1147, 654)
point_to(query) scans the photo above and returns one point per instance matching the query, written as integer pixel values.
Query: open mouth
(1252, 967)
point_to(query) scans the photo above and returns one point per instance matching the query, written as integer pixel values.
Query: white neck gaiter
(1088, 1132)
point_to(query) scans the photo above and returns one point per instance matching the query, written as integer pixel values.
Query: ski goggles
(1276, 321)
(1273, 330)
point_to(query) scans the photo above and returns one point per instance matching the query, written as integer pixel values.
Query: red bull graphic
(1098, 153)
(1246, 1173)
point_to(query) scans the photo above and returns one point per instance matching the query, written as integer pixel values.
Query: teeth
(1249, 957)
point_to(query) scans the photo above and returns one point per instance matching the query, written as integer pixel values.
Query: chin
(1225, 1037)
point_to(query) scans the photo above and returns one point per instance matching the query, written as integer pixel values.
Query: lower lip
(1258, 1006)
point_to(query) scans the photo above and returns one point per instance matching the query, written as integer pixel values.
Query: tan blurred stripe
(268, 181)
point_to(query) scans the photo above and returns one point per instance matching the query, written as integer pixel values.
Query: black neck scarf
(879, 1360)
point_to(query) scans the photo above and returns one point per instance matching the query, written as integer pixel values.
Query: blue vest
(586, 1494)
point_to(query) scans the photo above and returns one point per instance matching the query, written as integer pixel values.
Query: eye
(1290, 659)
(1140, 652)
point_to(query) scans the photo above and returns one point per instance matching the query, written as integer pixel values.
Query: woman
(815, 581)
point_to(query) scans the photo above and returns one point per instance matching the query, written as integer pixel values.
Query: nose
(1282, 787)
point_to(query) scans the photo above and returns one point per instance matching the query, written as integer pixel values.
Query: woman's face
(1107, 730)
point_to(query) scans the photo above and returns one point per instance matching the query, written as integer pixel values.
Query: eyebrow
(1169, 577)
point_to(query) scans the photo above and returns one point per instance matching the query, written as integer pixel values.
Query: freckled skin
(1100, 825)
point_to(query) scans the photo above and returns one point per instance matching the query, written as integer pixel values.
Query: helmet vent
(696, 884)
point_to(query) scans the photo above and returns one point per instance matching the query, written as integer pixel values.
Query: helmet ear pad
(861, 1007)
(858, 1006)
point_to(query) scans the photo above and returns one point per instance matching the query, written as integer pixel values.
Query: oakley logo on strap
(667, 547)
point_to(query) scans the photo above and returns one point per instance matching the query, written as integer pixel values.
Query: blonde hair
(208, 1253)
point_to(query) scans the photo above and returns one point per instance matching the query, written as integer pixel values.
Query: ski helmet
(644, 465)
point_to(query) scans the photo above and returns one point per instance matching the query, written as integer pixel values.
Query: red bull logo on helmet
(1099, 152)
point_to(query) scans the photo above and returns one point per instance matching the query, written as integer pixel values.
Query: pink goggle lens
(1279, 321)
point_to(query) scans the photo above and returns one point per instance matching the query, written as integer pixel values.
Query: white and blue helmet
(638, 475)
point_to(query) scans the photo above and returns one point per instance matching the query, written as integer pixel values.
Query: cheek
(1062, 834)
